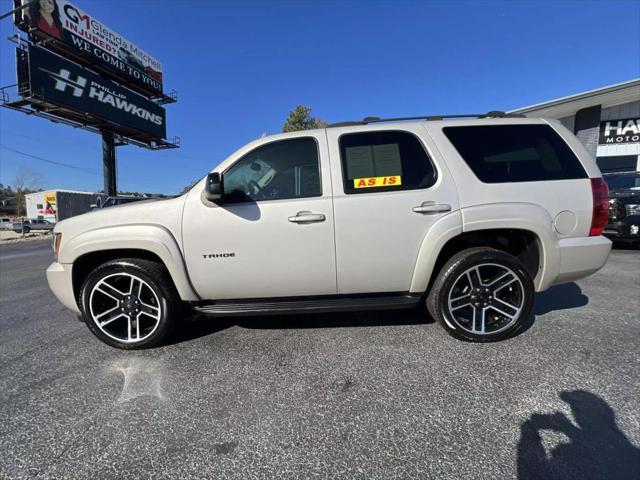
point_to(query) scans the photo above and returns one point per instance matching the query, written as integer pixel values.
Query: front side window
(278, 170)
(384, 161)
(515, 153)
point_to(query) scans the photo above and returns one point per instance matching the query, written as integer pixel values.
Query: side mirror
(214, 187)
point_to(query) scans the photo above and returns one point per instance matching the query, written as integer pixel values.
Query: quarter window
(275, 171)
(515, 153)
(384, 161)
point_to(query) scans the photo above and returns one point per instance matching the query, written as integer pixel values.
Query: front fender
(152, 238)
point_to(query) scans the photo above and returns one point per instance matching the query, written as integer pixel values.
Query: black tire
(157, 279)
(453, 275)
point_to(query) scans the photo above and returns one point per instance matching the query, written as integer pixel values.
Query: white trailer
(56, 205)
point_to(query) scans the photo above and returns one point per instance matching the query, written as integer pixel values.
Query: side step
(234, 308)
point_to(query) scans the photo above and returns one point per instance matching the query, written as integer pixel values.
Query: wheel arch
(90, 249)
(524, 230)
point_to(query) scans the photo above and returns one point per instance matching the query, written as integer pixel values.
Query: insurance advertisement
(79, 34)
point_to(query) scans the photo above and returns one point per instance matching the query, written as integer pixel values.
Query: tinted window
(383, 161)
(622, 182)
(284, 169)
(622, 163)
(515, 153)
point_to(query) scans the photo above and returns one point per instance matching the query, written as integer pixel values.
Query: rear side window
(384, 161)
(515, 153)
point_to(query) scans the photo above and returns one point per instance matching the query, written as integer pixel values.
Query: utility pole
(109, 164)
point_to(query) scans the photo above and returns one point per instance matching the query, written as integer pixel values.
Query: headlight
(633, 209)
(57, 240)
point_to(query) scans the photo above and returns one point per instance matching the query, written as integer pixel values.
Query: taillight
(600, 215)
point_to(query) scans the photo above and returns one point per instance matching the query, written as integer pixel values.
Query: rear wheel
(129, 303)
(482, 295)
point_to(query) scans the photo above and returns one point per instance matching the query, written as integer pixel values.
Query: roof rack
(368, 120)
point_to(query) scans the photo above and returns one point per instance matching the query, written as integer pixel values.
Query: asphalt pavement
(370, 395)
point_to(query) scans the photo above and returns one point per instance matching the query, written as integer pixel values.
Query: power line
(52, 162)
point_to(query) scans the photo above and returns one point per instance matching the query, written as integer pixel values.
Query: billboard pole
(109, 163)
(17, 9)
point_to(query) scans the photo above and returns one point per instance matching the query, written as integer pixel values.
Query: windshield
(621, 182)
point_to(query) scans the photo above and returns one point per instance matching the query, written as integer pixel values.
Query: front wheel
(129, 303)
(482, 295)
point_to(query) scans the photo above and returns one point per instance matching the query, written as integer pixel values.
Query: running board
(234, 308)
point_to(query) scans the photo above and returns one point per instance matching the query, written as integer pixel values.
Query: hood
(163, 212)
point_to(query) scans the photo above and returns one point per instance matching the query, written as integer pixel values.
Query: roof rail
(368, 120)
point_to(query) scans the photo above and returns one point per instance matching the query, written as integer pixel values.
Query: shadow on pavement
(560, 297)
(201, 326)
(596, 448)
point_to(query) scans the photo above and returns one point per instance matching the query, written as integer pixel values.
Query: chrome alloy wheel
(486, 299)
(124, 307)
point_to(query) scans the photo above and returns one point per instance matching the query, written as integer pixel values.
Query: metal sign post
(109, 164)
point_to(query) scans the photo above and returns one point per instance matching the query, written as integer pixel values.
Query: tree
(190, 186)
(26, 181)
(300, 119)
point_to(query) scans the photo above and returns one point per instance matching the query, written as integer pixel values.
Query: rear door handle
(307, 217)
(432, 207)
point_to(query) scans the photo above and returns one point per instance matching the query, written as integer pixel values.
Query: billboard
(77, 33)
(55, 80)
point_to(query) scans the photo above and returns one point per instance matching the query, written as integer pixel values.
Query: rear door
(390, 186)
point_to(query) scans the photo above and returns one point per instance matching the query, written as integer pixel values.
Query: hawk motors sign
(616, 132)
(53, 79)
(77, 33)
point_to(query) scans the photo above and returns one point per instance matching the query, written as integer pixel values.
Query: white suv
(471, 216)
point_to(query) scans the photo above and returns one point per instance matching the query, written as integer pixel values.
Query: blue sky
(239, 67)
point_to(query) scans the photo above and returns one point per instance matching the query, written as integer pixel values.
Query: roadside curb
(26, 238)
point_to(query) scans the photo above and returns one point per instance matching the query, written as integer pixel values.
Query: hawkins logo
(100, 93)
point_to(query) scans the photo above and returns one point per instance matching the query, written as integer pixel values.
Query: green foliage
(190, 186)
(300, 119)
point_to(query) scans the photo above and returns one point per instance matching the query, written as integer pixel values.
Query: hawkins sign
(64, 83)
(82, 34)
(615, 132)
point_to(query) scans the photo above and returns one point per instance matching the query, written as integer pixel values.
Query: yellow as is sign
(370, 182)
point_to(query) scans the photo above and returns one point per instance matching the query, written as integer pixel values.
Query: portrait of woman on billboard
(45, 16)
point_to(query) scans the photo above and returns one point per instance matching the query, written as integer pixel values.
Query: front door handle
(307, 217)
(432, 207)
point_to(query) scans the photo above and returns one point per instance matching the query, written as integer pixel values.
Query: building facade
(606, 120)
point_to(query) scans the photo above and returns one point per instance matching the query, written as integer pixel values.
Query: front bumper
(60, 281)
(580, 257)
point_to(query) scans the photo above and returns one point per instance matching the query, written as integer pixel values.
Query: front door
(272, 235)
(390, 187)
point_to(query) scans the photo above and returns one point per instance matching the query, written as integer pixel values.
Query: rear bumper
(580, 257)
(61, 284)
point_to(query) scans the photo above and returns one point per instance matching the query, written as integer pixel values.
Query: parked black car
(624, 207)
(105, 202)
